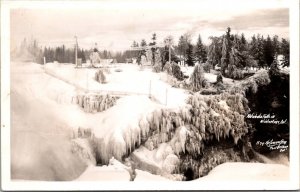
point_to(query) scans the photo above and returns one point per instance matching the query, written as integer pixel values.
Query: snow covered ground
(44, 120)
(122, 79)
(248, 172)
(115, 171)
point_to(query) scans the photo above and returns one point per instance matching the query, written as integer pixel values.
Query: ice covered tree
(190, 60)
(197, 78)
(200, 53)
(226, 48)
(214, 51)
(141, 52)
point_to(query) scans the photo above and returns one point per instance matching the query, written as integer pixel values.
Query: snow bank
(42, 119)
(40, 141)
(146, 176)
(248, 171)
(115, 171)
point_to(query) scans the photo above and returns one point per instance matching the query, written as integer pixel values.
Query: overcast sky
(114, 25)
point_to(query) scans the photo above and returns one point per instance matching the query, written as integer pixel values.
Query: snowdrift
(42, 120)
(247, 172)
(115, 171)
(40, 142)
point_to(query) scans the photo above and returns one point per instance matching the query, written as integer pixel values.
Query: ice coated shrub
(197, 78)
(100, 77)
(207, 67)
(171, 80)
(176, 71)
(157, 67)
(204, 119)
(168, 68)
(258, 79)
(94, 103)
(235, 73)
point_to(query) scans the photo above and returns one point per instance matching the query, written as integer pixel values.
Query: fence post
(166, 96)
(150, 90)
(87, 80)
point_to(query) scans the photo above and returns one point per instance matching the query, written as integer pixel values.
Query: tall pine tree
(226, 48)
(190, 55)
(269, 51)
(153, 49)
(200, 53)
(285, 50)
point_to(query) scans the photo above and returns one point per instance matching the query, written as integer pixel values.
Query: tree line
(231, 52)
(30, 50)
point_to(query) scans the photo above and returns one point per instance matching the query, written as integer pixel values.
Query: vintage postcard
(150, 95)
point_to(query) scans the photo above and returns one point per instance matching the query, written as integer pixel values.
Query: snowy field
(122, 79)
(44, 121)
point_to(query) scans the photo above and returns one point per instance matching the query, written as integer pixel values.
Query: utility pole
(76, 49)
(170, 51)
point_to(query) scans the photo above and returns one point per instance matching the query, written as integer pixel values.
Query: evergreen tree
(276, 45)
(190, 55)
(269, 51)
(143, 43)
(181, 46)
(226, 48)
(200, 53)
(134, 44)
(285, 50)
(243, 42)
(260, 51)
(253, 46)
(63, 55)
(153, 49)
(257, 50)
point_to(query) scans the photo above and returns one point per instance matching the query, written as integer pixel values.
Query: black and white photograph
(150, 95)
